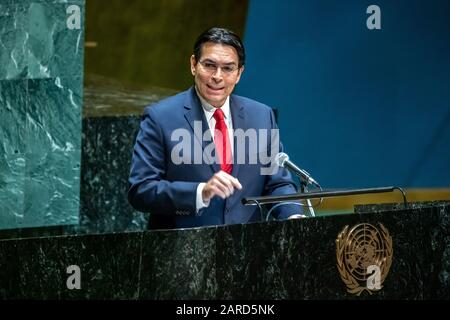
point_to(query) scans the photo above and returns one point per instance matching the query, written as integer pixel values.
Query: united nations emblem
(364, 256)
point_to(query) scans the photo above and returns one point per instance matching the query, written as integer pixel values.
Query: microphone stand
(304, 189)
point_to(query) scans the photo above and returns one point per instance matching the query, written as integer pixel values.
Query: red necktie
(222, 142)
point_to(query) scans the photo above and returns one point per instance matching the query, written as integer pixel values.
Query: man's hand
(221, 184)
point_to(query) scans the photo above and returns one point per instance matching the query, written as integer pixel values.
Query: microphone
(282, 160)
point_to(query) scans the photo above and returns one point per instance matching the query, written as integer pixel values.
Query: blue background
(357, 107)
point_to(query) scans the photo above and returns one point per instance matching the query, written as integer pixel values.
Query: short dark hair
(221, 36)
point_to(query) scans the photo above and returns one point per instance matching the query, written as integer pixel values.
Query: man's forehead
(214, 51)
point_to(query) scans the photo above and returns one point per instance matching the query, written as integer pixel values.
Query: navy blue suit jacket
(168, 190)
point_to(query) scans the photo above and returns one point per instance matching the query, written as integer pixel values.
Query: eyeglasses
(212, 68)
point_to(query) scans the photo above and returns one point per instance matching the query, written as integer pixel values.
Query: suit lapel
(238, 116)
(194, 114)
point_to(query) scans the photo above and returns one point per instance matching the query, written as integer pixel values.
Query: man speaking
(190, 166)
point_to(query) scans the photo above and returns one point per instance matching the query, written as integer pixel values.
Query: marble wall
(41, 89)
(111, 116)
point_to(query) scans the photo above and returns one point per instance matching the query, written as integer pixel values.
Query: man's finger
(226, 181)
(217, 192)
(235, 182)
(222, 187)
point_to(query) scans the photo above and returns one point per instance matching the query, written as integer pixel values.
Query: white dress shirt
(209, 110)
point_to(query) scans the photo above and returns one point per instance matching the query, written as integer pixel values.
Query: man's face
(216, 73)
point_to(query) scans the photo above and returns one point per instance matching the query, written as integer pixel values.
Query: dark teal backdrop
(357, 107)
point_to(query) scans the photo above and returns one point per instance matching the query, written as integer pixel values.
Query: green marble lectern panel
(293, 259)
(41, 83)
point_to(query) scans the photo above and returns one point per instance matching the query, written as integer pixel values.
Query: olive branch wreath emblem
(364, 242)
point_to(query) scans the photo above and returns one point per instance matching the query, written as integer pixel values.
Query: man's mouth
(214, 88)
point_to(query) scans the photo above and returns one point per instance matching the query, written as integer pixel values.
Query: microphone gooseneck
(282, 160)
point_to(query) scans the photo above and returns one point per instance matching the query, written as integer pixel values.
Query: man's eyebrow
(226, 64)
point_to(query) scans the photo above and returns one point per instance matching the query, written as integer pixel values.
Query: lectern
(294, 259)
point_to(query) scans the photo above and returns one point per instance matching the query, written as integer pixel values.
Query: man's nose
(218, 74)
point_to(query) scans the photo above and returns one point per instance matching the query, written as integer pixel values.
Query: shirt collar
(209, 109)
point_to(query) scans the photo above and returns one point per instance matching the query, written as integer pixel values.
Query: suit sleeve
(281, 183)
(148, 189)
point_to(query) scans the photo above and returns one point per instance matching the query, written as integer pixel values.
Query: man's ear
(193, 64)
(241, 70)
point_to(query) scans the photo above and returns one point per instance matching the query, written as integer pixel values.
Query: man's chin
(216, 102)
